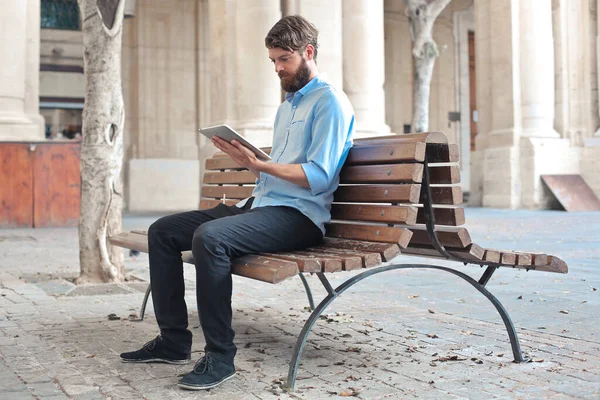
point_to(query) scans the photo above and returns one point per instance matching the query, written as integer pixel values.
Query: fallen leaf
(500, 355)
(413, 296)
(351, 378)
(538, 360)
(431, 311)
(350, 392)
(477, 360)
(594, 289)
(584, 301)
(449, 358)
(91, 356)
(432, 335)
(564, 312)
(520, 298)
(353, 350)
(113, 317)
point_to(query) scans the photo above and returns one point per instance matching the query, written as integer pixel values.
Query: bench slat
(374, 213)
(451, 237)
(305, 264)
(368, 259)
(472, 252)
(371, 233)
(386, 250)
(444, 216)
(426, 137)
(445, 195)
(388, 173)
(264, 269)
(441, 153)
(443, 174)
(229, 177)
(328, 264)
(349, 262)
(407, 193)
(210, 203)
(386, 154)
(230, 192)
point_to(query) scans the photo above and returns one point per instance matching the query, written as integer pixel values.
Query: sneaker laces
(204, 364)
(152, 344)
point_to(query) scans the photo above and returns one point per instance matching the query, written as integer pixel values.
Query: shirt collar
(314, 83)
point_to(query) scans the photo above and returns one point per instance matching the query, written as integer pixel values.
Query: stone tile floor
(398, 335)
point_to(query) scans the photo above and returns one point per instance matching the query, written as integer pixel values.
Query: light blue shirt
(314, 128)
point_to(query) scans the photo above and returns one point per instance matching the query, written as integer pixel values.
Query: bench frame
(333, 293)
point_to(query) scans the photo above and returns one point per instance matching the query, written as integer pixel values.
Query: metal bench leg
(143, 309)
(311, 302)
(333, 293)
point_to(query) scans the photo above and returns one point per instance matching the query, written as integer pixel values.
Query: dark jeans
(215, 236)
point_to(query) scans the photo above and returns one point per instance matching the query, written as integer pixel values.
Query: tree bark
(102, 147)
(421, 16)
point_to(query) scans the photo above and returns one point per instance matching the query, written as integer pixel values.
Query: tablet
(228, 134)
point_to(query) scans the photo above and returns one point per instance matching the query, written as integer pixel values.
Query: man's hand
(239, 153)
(246, 158)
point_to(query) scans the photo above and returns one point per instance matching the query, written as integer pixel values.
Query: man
(287, 210)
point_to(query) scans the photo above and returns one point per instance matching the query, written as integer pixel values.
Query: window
(60, 14)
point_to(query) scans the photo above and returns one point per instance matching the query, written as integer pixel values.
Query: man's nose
(278, 67)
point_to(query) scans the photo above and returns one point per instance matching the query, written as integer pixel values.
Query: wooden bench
(397, 195)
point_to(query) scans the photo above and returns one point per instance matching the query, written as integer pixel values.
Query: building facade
(515, 86)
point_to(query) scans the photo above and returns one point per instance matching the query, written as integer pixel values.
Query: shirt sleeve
(330, 143)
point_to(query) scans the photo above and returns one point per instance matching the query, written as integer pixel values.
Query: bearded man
(287, 211)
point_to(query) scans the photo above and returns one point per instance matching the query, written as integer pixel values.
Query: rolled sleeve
(329, 143)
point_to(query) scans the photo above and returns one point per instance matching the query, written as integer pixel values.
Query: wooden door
(16, 185)
(57, 184)
(472, 89)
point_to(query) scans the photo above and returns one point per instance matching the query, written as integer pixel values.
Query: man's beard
(292, 84)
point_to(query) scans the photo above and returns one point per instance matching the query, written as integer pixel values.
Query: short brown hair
(292, 33)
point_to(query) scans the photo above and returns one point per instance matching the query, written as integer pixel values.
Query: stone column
(364, 64)
(18, 90)
(327, 17)
(576, 114)
(541, 149)
(245, 90)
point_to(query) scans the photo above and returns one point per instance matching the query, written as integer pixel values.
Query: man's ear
(310, 52)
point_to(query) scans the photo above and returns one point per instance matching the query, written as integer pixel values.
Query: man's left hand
(238, 153)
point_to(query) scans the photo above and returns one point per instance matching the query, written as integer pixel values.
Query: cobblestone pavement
(398, 335)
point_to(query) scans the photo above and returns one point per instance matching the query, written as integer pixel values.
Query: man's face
(292, 69)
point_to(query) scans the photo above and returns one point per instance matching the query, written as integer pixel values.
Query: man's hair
(292, 33)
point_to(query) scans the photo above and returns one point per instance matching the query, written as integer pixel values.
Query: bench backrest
(380, 197)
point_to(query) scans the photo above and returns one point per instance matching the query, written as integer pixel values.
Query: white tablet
(228, 134)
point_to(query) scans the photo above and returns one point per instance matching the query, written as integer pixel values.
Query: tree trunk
(421, 16)
(102, 147)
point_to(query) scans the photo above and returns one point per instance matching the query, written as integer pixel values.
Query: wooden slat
(230, 192)
(386, 154)
(349, 262)
(472, 252)
(305, 264)
(553, 264)
(508, 258)
(209, 203)
(372, 233)
(401, 193)
(451, 237)
(492, 256)
(427, 137)
(368, 259)
(444, 216)
(445, 195)
(441, 153)
(239, 177)
(388, 173)
(261, 268)
(386, 250)
(328, 264)
(443, 175)
(222, 162)
(374, 213)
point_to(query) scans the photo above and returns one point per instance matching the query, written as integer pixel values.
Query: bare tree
(421, 16)
(102, 147)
